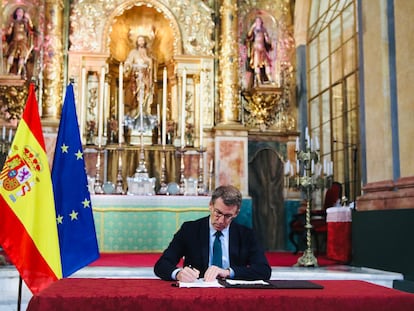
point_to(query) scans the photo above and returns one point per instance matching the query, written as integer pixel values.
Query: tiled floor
(9, 280)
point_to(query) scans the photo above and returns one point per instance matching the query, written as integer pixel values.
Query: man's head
(224, 206)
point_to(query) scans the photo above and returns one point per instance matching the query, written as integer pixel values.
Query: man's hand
(188, 274)
(213, 272)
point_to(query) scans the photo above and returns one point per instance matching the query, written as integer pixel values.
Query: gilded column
(53, 59)
(228, 63)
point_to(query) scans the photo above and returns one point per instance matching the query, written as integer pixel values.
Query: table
(153, 294)
(339, 245)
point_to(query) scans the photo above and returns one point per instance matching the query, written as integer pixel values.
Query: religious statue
(140, 71)
(19, 36)
(258, 48)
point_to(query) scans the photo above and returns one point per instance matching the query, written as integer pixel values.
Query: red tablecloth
(143, 294)
(339, 245)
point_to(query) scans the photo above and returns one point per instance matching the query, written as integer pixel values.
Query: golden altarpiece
(208, 94)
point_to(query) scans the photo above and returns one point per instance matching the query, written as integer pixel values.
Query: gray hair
(229, 194)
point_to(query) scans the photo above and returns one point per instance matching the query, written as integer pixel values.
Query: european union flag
(76, 228)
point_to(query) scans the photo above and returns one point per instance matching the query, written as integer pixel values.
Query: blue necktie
(217, 252)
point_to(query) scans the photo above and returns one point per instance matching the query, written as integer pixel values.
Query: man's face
(221, 214)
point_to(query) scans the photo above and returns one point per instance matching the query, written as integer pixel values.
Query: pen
(194, 269)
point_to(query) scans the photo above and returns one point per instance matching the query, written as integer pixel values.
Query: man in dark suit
(240, 255)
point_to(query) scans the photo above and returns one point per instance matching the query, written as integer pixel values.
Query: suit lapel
(233, 243)
(205, 240)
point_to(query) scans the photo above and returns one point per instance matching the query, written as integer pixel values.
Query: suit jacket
(191, 241)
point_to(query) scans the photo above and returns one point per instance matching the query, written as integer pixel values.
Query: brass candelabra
(308, 179)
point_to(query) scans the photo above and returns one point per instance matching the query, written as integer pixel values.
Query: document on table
(200, 283)
(242, 282)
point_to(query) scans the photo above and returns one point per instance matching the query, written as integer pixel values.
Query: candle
(297, 167)
(121, 104)
(119, 161)
(4, 133)
(107, 115)
(158, 113)
(183, 95)
(297, 144)
(287, 168)
(316, 143)
(201, 107)
(10, 135)
(101, 105)
(83, 105)
(164, 107)
(211, 166)
(141, 103)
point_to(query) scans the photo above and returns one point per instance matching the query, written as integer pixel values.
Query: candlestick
(210, 178)
(183, 95)
(182, 170)
(101, 105)
(121, 104)
(163, 184)
(98, 182)
(308, 180)
(201, 187)
(119, 180)
(164, 107)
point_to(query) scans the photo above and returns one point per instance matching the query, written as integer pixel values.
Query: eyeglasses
(217, 213)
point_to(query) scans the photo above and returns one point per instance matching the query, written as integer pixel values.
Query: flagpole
(19, 294)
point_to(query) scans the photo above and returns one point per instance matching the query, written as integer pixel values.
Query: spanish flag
(28, 230)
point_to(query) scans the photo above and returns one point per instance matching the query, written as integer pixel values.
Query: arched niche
(157, 24)
(151, 19)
